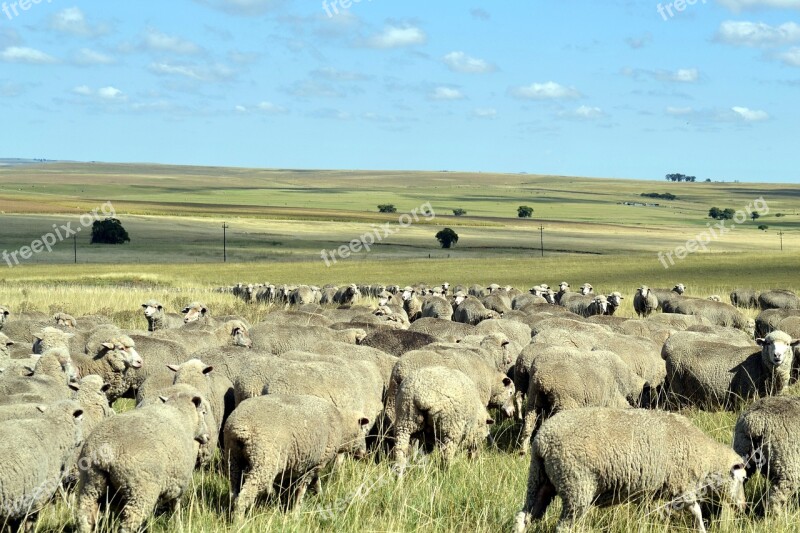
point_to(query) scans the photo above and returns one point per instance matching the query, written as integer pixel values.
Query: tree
(762, 227)
(728, 214)
(459, 212)
(524, 211)
(714, 213)
(447, 238)
(109, 231)
(754, 216)
(387, 208)
(721, 214)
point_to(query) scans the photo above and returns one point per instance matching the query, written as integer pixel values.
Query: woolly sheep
(713, 374)
(197, 312)
(767, 321)
(296, 318)
(614, 302)
(49, 382)
(158, 319)
(471, 311)
(398, 342)
(213, 386)
(778, 299)
(5, 352)
(279, 339)
(437, 307)
(36, 454)
(288, 440)
(767, 434)
(525, 300)
(497, 303)
(445, 330)
(644, 301)
(667, 296)
(444, 402)
(587, 306)
(383, 360)
(412, 304)
(303, 294)
(193, 339)
(114, 358)
(602, 456)
(514, 331)
(744, 298)
(719, 313)
(347, 295)
(146, 455)
(65, 320)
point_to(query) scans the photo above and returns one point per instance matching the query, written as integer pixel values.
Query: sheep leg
(176, 513)
(448, 448)
(698, 517)
(139, 506)
(577, 498)
(401, 449)
(528, 425)
(518, 404)
(258, 481)
(779, 494)
(94, 485)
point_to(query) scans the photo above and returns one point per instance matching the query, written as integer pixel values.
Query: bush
(762, 227)
(387, 208)
(524, 211)
(660, 196)
(447, 238)
(109, 231)
(721, 214)
(459, 212)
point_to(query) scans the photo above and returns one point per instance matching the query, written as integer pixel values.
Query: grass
(483, 495)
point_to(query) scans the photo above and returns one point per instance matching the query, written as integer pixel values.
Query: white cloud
(332, 74)
(83, 90)
(741, 5)
(480, 14)
(588, 112)
(212, 73)
(791, 57)
(86, 56)
(72, 21)
(743, 33)
(683, 75)
(272, 109)
(486, 112)
(398, 36)
(243, 7)
(679, 111)
(108, 94)
(545, 91)
(23, 54)
(241, 109)
(461, 62)
(750, 115)
(447, 93)
(161, 42)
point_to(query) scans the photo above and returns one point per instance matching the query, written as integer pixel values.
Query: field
(281, 219)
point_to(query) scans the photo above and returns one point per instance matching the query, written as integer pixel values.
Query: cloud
(584, 112)
(212, 73)
(313, 89)
(158, 41)
(741, 5)
(639, 42)
(791, 57)
(72, 21)
(270, 108)
(332, 74)
(461, 62)
(679, 111)
(683, 75)
(484, 112)
(545, 91)
(446, 93)
(86, 56)
(750, 115)
(107, 94)
(480, 14)
(743, 33)
(243, 7)
(398, 36)
(23, 54)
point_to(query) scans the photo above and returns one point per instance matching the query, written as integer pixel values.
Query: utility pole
(780, 234)
(225, 242)
(541, 238)
(75, 247)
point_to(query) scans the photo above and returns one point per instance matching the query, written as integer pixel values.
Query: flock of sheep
(329, 374)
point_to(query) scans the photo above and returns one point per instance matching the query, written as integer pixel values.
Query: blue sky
(575, 87)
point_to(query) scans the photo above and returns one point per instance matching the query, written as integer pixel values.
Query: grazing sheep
(195, 338)
(602, 456)
(349, 295)
(445, 403)
(471, 311)
(525, 300)
(412, 304)
(719, 375)
(496, 302)
(568, 378)
(286, 440)
(197, 312)
(65, 320)
(49, 338)
(645, 301)
(397, 341)
(587, 306)
(747, 298)
(444, 330)
(296, 318)
(382, 360)
(114, 358)
(614, 302)
(146, 456)
(158, 319)
(516, 332)
(37, 453)
(768, 435)
(719, 313)
(437, 307)
(666, 296)
(49, 382)
(213, 386)
(778, 299)
(767, 321)
(304, 294)
(278, 339)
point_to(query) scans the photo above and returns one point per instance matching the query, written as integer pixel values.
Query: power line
(225, 242)
(780, 234)
(541, 238)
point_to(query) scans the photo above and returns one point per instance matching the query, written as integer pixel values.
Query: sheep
(213, 386)
(471, 311)
(412, 304)
(602, 456)
(767, 321)
(767, 433)
(568, 378)
(279, 339)
(495, 349)
(666, 296)
(149, 455)
(514, 331)
(36, 454)
(197, 312)
(304, 294)
(49, 382)
(158, 319)
(4, 314)
(444, 402)
(383, 361)
(445, 330)
(65, 320)
(778, 299)
(398, 342)
(614, 302)
(5, 350)
(587, 306)
(497, 303)
(296, 318)
(286, 440)
(196, 338)
(349, 295)
(744, 298)
(644, 301)
(525, 300)
(735, 337)
(114, 358)
(437, 307)
(719, 375)
(49, 338)
(719, 313)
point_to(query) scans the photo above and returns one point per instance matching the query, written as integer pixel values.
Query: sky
(618, 88)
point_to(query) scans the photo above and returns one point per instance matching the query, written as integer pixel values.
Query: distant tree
(109, 231)
(660, 196)
(459, 212)
(779, 215)
(754, 216)
(681, 177)
(721, 214)
(708, 180)
(728, 214)
(524, 211)
(714, 213)
(447, 238)
(387, 208)
(762, 227)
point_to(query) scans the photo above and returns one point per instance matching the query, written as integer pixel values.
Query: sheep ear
(185, 310)
(77, 414)
(208, 369)
(363, 421)
(160, 307)
(505, 343)
(489, 422)
(203, 310)
(760, 341)
(41, 408)
(163, 399)
(109, 345)
(507, 381)
(197, 401)
(144, 306)
(795, 342)
(9, 342)
(106, 387)
(174, 368)
(74, 386)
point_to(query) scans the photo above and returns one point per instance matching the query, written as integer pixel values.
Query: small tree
(109, 231)
(387, 208)
(762, 227)
(524, 211)
(754, 216)
(728, 214)
(459, 212)
(447, 238)
(714, 212)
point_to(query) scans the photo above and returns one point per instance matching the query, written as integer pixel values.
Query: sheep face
(503, 397)
(586, 289)
(777, 348)
(459, 298)
(241, 337)
(194, 312)
(121, 354)
(64, 320)
(600, 305)
(615, 299)
(384, 298)
(563, 286)
(152, 309)
(408, 293)
(730, 489)
(357, 429)
(644, 290)
(680, 288)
